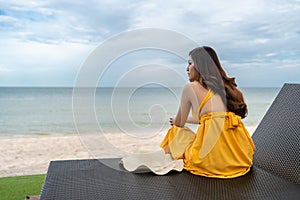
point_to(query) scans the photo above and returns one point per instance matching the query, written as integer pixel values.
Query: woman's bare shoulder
(192, 84)
(194, 88)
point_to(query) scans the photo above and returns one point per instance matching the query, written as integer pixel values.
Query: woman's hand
(171, 120)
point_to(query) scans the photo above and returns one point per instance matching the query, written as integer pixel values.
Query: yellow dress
(221, 148)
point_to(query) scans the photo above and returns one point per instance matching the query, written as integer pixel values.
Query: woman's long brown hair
(213, 77)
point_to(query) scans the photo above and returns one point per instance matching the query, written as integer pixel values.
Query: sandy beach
(32, 154)
(27, 155)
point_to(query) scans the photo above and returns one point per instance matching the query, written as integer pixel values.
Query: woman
(221, 147)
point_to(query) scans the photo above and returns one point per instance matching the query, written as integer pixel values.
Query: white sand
(26, 155)
(32, 154)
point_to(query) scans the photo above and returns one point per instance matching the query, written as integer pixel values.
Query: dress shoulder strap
(208, 95)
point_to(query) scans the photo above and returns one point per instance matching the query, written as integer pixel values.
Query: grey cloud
(246, 34)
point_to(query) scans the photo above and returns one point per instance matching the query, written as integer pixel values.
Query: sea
(26, 111)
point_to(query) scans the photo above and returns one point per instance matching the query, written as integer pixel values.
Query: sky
(45, 43)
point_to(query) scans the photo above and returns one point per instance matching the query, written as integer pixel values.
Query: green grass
(18, 187)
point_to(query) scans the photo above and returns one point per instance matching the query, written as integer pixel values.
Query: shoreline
(32, 154)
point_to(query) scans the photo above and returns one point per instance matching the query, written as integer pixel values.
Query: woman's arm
(185, 106)
(192, 120)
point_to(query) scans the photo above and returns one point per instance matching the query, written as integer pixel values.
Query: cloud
(64, 21)
(5, 69)
(56, 36)
(145, 65)
(40, 64)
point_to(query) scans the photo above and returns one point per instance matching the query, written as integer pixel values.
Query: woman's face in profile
(191, 70)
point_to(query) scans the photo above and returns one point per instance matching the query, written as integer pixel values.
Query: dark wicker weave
(277, 137)
(275, 174)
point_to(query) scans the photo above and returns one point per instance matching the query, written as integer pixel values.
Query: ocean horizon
(50, 110)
